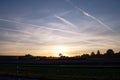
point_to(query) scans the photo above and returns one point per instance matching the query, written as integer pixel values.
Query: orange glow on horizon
(60, 49)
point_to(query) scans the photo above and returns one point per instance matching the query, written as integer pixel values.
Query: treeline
(110, 57)
(110, 54)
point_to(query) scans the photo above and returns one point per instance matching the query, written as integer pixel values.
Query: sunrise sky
(50, 27)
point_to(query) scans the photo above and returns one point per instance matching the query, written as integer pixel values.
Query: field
(61, 72)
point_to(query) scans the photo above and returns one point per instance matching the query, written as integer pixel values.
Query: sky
(50, 27)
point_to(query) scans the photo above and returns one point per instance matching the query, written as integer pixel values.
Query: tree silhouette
(60, 54)
(85, 56)
(98, 53)
(92, 54)
(110, 52)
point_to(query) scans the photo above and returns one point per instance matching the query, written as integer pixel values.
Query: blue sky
(48, 27)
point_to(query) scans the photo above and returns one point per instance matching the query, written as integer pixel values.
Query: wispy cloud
(14, 30)
(42, 27)
(36, 27)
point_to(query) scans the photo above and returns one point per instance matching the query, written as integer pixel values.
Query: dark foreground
(59, 72)
(15, 78)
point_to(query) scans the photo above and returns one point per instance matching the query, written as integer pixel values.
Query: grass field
(62, 72)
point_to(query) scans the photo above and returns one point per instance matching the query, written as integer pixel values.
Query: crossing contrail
(89, 15)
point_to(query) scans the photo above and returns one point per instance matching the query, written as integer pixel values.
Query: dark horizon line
(60, 54)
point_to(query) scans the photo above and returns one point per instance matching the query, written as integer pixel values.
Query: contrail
(13, 30)
(65, 13)
(61, 30)
(66, 21)
(59, 14)
(37, 26)
(89, 15)
(10, 21)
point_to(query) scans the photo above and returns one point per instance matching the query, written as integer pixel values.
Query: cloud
(60, 35)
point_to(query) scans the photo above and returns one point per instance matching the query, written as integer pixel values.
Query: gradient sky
(48, 27)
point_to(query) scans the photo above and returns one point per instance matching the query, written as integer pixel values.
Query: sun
(61, 49)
